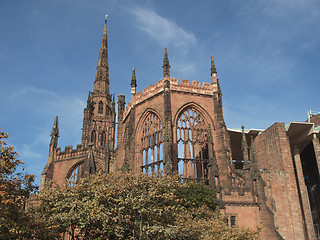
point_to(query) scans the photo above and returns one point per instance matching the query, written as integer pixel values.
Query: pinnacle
(166, 65)
(213, 66)
(133, 79)
(102, 74)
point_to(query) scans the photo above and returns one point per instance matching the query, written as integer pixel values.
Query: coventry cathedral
(264, 178)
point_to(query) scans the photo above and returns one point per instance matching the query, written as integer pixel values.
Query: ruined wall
(277, 171)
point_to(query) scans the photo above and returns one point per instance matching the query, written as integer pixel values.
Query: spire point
(213, 66)
(101, 83)
(55, 133)
(166, 65)
(105, 18)
(133, 82)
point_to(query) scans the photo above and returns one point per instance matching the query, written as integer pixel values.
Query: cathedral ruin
(267, 178)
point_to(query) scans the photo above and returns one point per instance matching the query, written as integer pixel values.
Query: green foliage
(15, 188)
(128, 206)
(196, 194)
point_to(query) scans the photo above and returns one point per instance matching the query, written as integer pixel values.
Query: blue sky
(267, 55)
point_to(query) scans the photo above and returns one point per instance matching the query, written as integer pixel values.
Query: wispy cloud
(161, 29)
(27, 152)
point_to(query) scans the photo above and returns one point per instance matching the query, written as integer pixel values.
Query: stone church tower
(96, 151)
(267, 178)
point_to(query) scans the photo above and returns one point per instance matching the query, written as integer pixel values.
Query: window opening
(151, 141)
(192, 144)
(74, 175)
(100, 109)
(233, 221)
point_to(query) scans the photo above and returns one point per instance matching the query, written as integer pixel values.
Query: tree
(15, 189)
(128, 206)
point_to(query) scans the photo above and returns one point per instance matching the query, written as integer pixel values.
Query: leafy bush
(128, 206)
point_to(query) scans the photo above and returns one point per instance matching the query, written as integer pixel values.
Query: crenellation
(68, 149)
(80, 147)
(146, 90)
(184, 81)
(153, 86)
(196, 83)
(206, 84)
(174, 81)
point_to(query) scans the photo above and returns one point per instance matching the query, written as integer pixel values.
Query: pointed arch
(191, 130)
(73, 175)
(149, 139)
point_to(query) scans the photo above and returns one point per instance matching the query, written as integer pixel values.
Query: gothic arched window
(74, 175)
(75, 172)
(152, 146)
(100, 109)
(192, 144)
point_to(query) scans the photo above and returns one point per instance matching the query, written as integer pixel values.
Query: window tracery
(74, 174)
(152, 144)
(192, 144)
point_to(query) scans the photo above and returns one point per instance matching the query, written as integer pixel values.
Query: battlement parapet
(184, 86)
(81, 150)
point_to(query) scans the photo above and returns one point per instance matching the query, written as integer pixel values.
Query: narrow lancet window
(100, 109)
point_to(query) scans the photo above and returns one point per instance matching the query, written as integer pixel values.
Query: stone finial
(133, 79)
(213, 66)
(55, 133)
(244, 144)
(55, 129)
(166, 65)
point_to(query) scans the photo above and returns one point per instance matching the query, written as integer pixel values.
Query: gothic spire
(133, 79)
(55, 133)
(213, 66)
(101, 83)
(166, 66)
